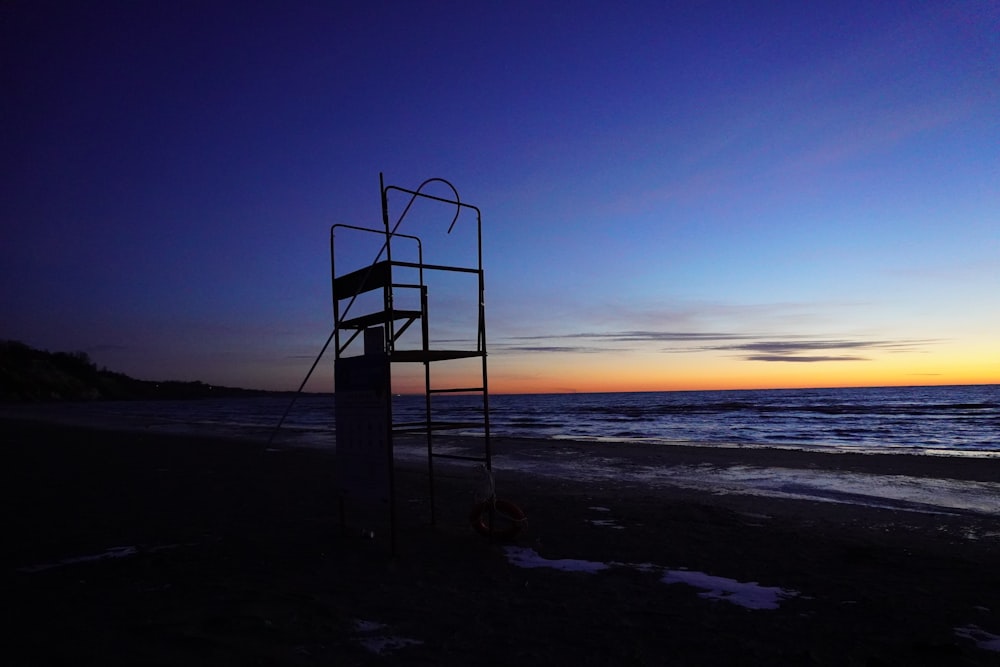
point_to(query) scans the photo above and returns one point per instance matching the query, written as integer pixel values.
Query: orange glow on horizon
(646, 373)
(651, 371)
(499, 388)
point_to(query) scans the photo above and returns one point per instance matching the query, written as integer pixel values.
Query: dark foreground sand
(240, 560)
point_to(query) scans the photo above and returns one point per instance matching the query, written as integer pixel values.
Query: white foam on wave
(918, 494)
(915, 494)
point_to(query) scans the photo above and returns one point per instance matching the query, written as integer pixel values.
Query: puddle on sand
(748, 594)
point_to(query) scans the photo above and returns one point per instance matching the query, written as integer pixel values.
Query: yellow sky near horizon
(658, 371)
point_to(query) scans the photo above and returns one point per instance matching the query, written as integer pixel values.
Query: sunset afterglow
(702, 196)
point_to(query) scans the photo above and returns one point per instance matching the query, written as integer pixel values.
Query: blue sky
(674, 195)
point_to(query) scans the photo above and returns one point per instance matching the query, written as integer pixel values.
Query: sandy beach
(147, 549)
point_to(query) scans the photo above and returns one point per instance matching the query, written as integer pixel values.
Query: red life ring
(507, 519)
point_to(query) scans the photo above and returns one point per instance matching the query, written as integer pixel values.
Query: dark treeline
(27, 374)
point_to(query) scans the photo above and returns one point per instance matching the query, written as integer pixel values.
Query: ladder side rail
(487, 441)
(425, 336)
(389, 342)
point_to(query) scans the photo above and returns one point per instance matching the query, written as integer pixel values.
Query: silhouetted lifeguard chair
(374, 309)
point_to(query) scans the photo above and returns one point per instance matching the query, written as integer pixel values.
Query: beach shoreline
(145, 548)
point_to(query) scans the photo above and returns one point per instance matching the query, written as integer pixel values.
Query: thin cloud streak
(553, 348)
(794, 358)
(794, 348)
(644, 336)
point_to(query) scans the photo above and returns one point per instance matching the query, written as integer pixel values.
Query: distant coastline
(29, 375)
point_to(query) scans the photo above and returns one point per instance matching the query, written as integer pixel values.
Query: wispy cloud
(553, 348)
(644, 336)
(803, 358)
(617, 341)
(786, 348)
(749, 347)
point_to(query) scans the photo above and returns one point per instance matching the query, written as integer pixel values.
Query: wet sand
(227, 552)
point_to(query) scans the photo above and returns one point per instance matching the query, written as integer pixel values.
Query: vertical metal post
(425, 335)
(336, 299)
(488, 445)
(389, 454)
(389, 342)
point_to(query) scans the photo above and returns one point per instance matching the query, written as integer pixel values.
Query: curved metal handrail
(417, 193)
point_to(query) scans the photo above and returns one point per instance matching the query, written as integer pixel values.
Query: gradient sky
(685, 195)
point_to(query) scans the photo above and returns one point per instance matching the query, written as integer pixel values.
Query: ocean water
(962, 420)
(958, 421)
(952, 420)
